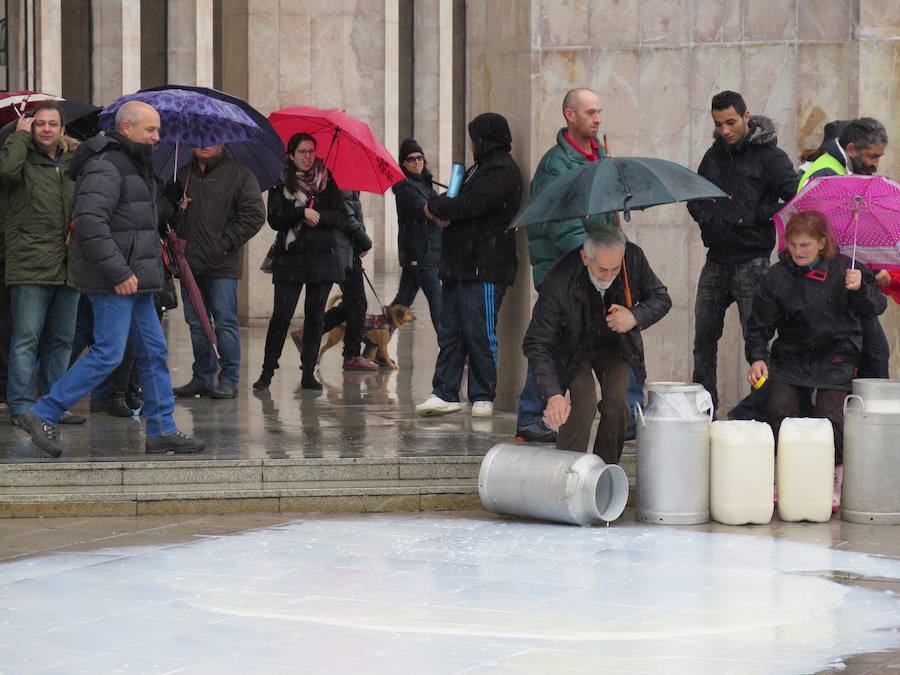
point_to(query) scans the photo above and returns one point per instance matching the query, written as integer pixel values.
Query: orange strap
(628, 302)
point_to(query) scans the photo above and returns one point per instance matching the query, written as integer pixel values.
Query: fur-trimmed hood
(762, 132)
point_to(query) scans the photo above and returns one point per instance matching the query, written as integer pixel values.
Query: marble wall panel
(563, 22)
(665, 22)
(770, 21)
(559, 70)
(879, 18)
(614, 23)
(664, 108)
(713, 69)
(768, 88)
(830, 20)
(717, 21)
(294, 82)
(615, 76)
(822, 92)
(879, 94)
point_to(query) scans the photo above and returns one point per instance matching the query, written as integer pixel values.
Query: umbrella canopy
(347, 146)
(190, 118)
(81, 118)
(863, 214)
(614, 184)
(263, 154)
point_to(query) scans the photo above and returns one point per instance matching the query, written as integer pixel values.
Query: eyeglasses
(415, 158)
(306, 152)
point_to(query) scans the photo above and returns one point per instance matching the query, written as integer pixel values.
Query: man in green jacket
(39, 260)
(576, 145)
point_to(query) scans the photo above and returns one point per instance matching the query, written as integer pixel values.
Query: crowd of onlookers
(83, 265)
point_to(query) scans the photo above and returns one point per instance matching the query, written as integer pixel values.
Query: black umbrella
(614, 184)
(263, 155)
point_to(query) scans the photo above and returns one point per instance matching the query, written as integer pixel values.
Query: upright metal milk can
(673, 454)
(870, 492)
(568, 487)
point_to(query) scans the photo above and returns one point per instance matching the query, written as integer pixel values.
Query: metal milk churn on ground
(673, 454)
(871, 487)
(549, 484)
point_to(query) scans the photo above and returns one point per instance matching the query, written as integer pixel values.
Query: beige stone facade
(424, 67)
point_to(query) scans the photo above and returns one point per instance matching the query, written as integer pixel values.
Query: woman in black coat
(814, 300)
(313, 249)
(419, 237)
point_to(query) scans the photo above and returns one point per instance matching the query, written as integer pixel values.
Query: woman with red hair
(814, 300)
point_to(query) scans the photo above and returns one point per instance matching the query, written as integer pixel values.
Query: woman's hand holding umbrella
(853, 280)
(311, 216)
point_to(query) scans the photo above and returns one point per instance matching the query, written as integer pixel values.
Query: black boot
(265, 379)
(309, 381)
(118, 407)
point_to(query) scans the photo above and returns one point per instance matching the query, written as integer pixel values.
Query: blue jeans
(118, 320)
(468, 333)
(220, 298)
(531, 407)
(43, 324)
(429, 280)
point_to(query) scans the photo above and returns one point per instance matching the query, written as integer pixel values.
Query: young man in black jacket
(746, 163)
(583, 324)
(478, 262)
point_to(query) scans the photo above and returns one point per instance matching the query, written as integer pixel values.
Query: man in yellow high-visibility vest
(858, 150)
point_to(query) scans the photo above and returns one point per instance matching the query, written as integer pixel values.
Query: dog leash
(380, 303)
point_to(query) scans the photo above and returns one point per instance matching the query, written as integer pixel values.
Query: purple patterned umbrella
(863, 214)
(190, 118)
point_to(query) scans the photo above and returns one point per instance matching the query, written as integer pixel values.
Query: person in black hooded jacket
(478, 262)
(746, 163)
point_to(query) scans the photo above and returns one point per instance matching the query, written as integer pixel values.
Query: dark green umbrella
(614, 184)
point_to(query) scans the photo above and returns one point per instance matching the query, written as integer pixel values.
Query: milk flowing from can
(804, 469)
(673, 454)
(741, 472)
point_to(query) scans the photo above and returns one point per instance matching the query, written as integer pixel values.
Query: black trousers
(286, 297)
(788, 400)
(350, 311)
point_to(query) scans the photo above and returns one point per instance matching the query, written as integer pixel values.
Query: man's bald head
(138, 122)
(581, 108)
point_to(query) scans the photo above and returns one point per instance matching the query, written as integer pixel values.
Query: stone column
(190, 42)
(117, 49)
(49, 40)
(499, 80)
(433, 83)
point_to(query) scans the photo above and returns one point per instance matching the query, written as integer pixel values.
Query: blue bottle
(456, 177)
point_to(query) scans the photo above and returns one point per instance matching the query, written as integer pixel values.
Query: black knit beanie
(408, 147)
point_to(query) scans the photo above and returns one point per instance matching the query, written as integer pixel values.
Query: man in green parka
(39, 260)
(576, 145)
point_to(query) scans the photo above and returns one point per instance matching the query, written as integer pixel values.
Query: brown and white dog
(377, 332)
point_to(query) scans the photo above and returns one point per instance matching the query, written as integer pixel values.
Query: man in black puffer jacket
(478, 262)
(119, 266)
(746, 163)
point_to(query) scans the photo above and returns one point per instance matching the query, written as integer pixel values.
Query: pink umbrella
(863, 214)
(347, 146)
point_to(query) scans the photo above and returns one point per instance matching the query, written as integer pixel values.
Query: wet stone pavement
(450, 592)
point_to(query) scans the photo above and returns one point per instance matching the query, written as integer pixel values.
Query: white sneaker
(482, 408)
(435, 405)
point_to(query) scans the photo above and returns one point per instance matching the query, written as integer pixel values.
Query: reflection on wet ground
(358, 414)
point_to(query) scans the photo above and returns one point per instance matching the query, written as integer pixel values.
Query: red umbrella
(176, 246)
(347, 146)
(14, 103)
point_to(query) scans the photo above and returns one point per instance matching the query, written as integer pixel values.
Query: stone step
(243, 486)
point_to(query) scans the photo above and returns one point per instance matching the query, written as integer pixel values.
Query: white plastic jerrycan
(804, 469)
(741, 472)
